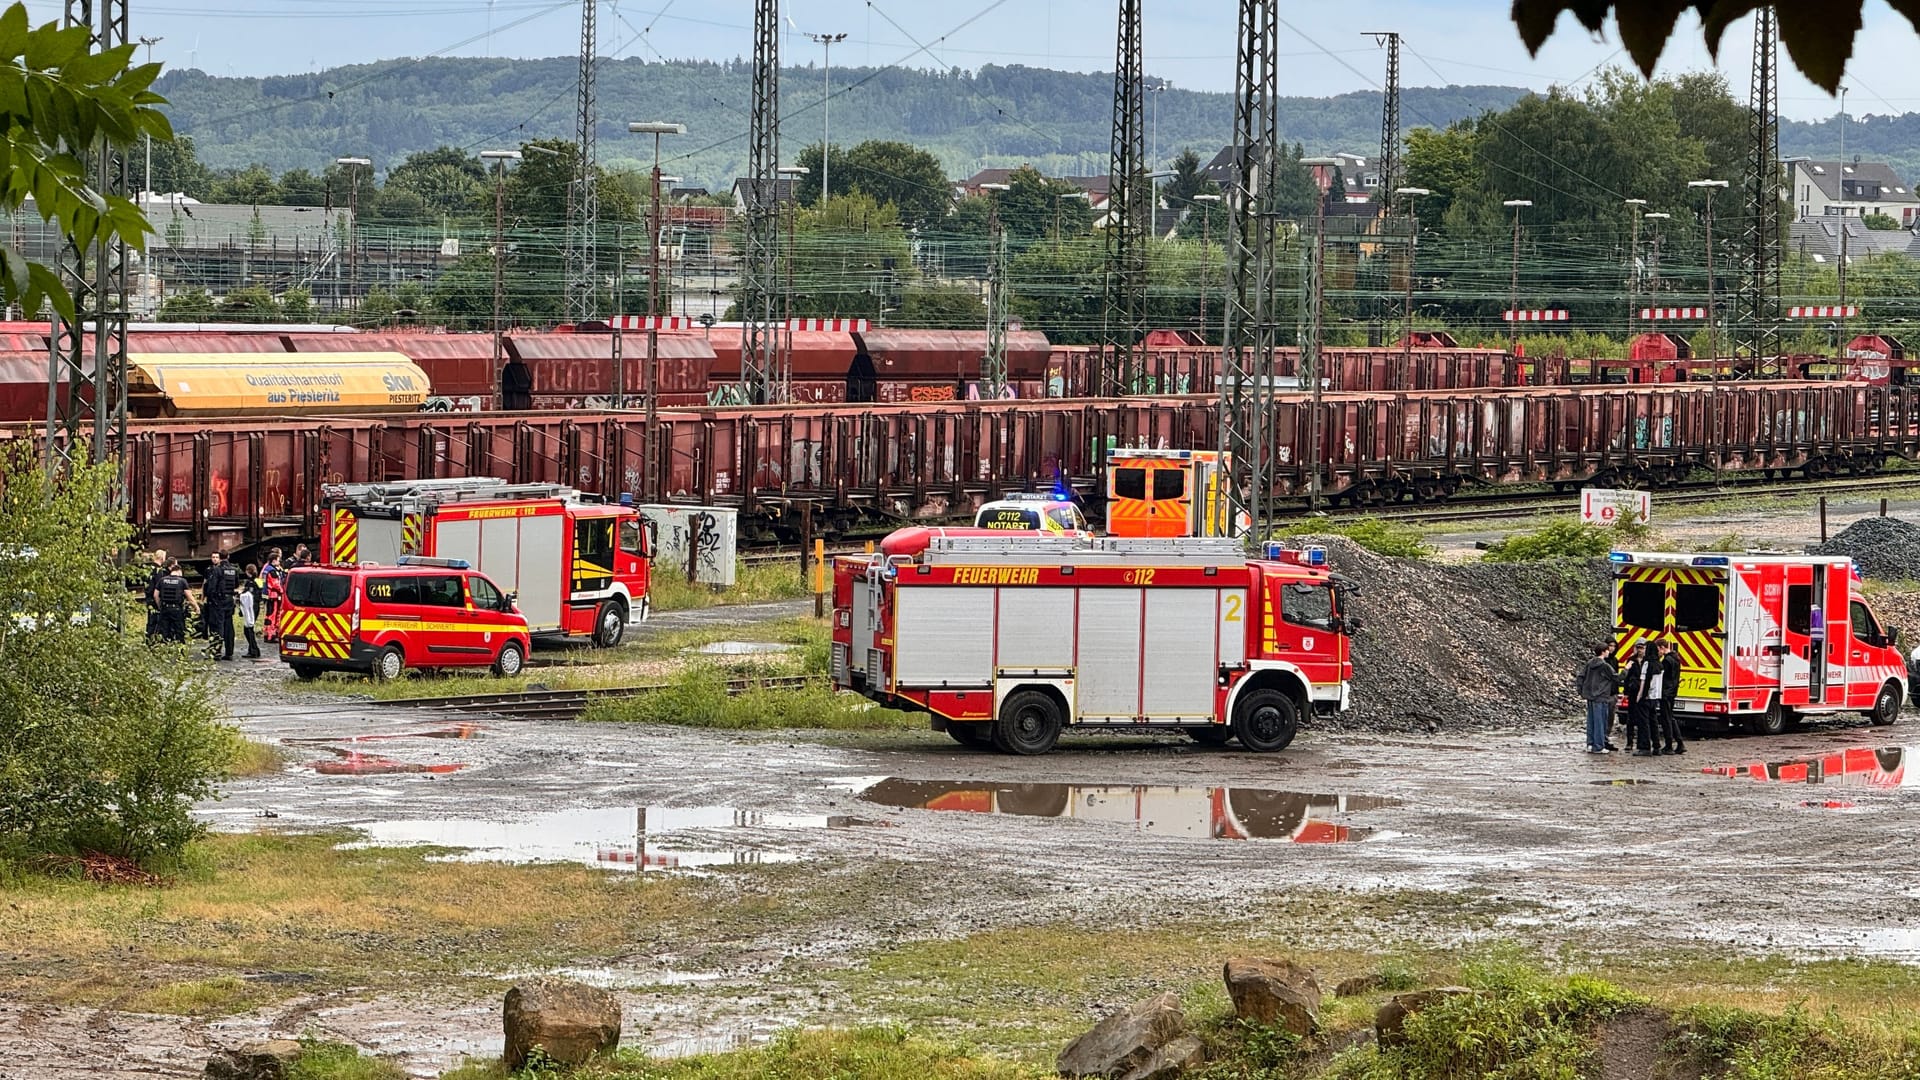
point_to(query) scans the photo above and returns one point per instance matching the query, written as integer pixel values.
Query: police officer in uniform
(221, 585)
(170, 597)
(156, 625)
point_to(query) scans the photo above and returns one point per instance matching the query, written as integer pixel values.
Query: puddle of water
(1624, 781)
(614, 978)
(456, 731)
(620, 838)
(354, 763)
(744, 648)
(1882, 768)
(1828, 804)
(1221, 813)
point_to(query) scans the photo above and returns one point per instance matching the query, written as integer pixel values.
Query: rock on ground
(1885, 548)
(1448, 647)
(1277, 992)
(266, 1060)
(570, 1021)
(1147, 1040)
(1390, 1019)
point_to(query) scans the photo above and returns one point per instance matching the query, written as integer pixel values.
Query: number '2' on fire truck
(1762, 639)
(578, 567)
(1010, 640)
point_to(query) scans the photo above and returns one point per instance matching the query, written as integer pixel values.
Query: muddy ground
(1593, 853)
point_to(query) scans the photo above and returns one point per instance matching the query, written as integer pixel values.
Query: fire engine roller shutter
(498, 554)
(1036, 628)
(864, 616)
(545, 550)
(1178, 664)
(939, 636)
(379, 540)
(1108, 677)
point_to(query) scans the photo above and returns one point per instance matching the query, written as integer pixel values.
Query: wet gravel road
(1808, 848)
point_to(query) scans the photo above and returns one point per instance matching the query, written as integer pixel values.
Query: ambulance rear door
(1698, 629)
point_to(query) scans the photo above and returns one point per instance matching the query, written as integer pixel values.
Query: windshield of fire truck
(1307, 605)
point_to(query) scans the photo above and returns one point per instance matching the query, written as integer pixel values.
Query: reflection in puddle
(354, 763)
(1623, 781)
(622, 838)
(1860, 766)
(1218, 812)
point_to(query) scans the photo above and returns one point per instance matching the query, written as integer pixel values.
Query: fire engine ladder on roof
(1209, 551)
(425, 492)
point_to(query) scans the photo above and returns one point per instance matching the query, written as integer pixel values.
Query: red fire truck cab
(1763, 640)
(1010, 640)
(577, 566)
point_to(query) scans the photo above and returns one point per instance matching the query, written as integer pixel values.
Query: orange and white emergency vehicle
(578, 566)
(1010, 640)
(381, 620)
(1168, 493)
(1032, 512)
(1762, 639)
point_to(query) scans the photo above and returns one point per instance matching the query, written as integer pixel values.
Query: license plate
(293, 646)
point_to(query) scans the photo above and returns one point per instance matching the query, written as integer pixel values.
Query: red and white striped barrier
(1823, 311)
(1651, 313)
(650, 322)
(1556, 315)
(830, 326)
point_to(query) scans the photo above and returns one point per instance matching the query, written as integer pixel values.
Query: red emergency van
(381, 620)
(1763, 640)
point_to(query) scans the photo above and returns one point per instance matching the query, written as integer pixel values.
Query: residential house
(783, 192)
(1818, 238)
(1849, 189)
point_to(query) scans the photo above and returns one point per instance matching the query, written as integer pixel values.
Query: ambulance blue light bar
(1711, 560)
(1620, 556)
(1309, 556)
(423, 560)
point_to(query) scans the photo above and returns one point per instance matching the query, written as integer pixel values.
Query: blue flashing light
(1619, 557)
(1711, 560)
(626, 498)
(424, 560)
(1316, 556)
(1273, 549)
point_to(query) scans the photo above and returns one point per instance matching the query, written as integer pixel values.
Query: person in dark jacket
(218, 589)
(1599, 684)
(170, 596)
(248, 601)
(1643, 698)
(156, 625)
(1669, 728)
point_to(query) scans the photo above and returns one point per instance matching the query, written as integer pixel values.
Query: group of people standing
(1650, 682)
(226, 590)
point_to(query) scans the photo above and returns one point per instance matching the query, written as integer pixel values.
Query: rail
(569, 704)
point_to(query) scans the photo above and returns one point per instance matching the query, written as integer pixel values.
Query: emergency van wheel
(1029, 723)
(1211, 735)
(1887, 708)
(610, 625)
(390, 664)
(970, 734)
(1771, 722)
(512, 661)
(1265, 721)
(306, 672)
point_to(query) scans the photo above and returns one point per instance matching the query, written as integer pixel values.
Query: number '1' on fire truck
(1010, 640)
(1762, 639)
(577, 565)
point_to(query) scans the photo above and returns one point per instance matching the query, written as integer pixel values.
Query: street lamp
(1713, 336)
(1156, 92)
(1633, 256)
(353, 166)
(1513, 287)
(1413, 236)
(1206, 219)
(826, 43)
(1653, 264)
(792, 173)
(500, 159)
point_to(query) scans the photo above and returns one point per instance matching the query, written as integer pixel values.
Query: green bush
(337, 1061)
(1558, 540)
(1378, 535)
(1739, 1044)
(105, 742)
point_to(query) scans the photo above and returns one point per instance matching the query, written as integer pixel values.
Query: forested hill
(1057, 121)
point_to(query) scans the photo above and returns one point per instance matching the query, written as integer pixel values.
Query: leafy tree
(446, 181)
(806, 188)
(944, 305)
(253, 184)
(194, 305)
(55, 95)
(1033, 203)
(299, 187)
(250, 303)
(1881, 222)
(105, 743)
(296, 305)
(906, 176)
(256, 228)
(177, 168)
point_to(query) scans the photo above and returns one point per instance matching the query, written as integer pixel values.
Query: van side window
(485, 596)
(1800, 609)
(1864, 626)
(394, 590)
(630, 541)
(1129, 483)
(441, 591)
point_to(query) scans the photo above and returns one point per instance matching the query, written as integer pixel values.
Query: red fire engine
(1762, 639)
(577, 567)
(1009, 640)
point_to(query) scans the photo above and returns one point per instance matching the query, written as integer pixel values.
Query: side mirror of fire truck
(650, 531)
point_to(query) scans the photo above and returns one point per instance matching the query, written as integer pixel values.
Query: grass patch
(338, 1061)
(251, 757)
(1796, 1044)
(1562, 539)
(1382, 536)
(753, 583)
(698, 697)
(865, 1053)
(221, 996)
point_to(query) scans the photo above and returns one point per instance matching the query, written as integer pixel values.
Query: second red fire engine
(1009, 641)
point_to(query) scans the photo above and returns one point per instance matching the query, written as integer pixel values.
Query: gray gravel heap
(1459, 647)
(1885, 548)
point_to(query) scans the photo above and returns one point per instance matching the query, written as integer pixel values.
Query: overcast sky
(1189, 42)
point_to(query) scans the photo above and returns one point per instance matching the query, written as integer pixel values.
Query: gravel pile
(1460, 647)
(1883, 547)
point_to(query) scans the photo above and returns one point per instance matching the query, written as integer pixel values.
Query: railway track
(569, 704)
(1509, 505)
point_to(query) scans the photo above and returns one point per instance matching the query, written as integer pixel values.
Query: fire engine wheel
(306, 672)
(390, 664)
(1211, 735)
(1029, 723)
(610, 625)
(1265, 721)
(1887, 708)
(512, 661)
(970, 734)
(1771, 722)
